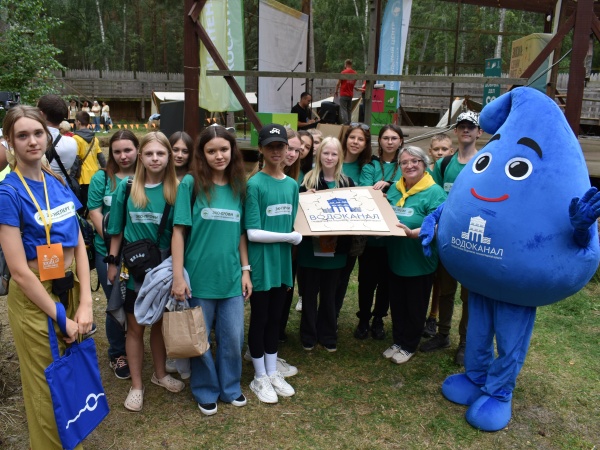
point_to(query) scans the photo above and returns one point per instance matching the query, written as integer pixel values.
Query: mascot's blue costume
(515, 233)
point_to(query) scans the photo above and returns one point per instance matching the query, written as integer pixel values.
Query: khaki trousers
(29, 325)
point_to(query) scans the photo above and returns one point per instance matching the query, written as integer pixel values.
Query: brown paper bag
(185, 333)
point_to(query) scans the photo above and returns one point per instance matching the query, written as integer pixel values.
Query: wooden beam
(596, 27)
(231, 81)
(374, 31)
(581, 40)
(369, 77)
(191, 71)
(550, 47)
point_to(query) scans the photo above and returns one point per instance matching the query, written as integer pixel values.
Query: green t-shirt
(140, 223)
(405, 255)
(271, 205)
(212, 255)
(352, 170)
(371, 173)
(450, 173)
(100, 195)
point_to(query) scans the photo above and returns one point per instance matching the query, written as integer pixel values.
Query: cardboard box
(329, 130)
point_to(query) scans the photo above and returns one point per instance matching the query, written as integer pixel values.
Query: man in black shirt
(304, 114)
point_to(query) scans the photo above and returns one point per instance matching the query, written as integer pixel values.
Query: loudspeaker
(171, 117)
(329, 112)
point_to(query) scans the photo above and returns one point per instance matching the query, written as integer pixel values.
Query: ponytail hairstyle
(202, 173)
(170, 181)
(112, 167)
(30, 112)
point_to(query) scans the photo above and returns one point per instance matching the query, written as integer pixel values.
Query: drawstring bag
(78, 397)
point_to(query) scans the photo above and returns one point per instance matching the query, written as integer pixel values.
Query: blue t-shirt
(16, 207)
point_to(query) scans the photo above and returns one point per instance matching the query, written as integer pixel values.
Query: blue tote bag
(77, 394)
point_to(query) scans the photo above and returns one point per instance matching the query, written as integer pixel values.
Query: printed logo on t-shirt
(108, 200)
(283, 209)
(448, 186)
(227, 215)
(403, 212)
(58, 214)
(145, 217)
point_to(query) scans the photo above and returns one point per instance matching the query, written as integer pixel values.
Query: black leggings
(265, 316)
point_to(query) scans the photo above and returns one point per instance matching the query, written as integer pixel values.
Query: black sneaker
(459, 358)
(120, 367)
(430, 329)
(377, 330)
(330, 348)
(208, 409)
(437, 342)
(362, 330)
(240, 401)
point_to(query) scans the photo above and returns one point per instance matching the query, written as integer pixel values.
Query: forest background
(39, 37)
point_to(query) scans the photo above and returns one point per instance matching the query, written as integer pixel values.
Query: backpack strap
(51, 152)
(444, 164)
(163, 222)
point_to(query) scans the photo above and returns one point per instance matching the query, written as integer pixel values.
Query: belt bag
(78, 397)
(140, 257)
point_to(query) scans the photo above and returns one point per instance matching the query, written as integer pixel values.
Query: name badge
(51, 262)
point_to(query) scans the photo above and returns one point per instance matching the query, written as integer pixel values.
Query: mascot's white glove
(427, 232)
(583, 214)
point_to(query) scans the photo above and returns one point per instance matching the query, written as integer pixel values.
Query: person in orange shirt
(345, 89)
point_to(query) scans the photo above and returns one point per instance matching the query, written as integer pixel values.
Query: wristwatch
(248, 268)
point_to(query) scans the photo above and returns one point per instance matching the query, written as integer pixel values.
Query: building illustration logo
(476, 231)
(475, 241)
(340, 205)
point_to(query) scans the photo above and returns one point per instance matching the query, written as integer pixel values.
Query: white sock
(271, 363)
(259, 366)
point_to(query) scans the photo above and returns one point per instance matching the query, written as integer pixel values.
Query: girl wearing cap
(323, 265)
(209, 212)
(373, 270)
(356, 145)
(270, 211)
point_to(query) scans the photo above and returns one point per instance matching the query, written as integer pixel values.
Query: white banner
(282, 47)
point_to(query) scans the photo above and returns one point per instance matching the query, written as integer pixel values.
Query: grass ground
(355, 398)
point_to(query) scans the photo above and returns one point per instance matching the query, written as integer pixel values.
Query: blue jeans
(97, 124)
(114, 332)
(219, 378)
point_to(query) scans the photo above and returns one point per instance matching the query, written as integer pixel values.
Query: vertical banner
(392, 41)
(282, 44)
(223, 22)
(493, 68)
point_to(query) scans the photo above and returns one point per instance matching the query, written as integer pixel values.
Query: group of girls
(220, 226)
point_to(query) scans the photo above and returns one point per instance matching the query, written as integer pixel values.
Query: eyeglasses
(410, 162)
(360, 125)
(390, 138)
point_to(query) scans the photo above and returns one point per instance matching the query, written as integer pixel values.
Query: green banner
(223, 22)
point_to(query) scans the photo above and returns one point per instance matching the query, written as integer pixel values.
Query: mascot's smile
(488, 199)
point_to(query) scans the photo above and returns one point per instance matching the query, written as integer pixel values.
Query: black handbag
(140, 257)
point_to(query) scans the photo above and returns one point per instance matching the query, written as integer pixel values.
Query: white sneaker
(391, 351)
(299, 305)
(281, 386)
(170, 366)
(285, 369)
(401, 356)
(263, 389)
(247, 355)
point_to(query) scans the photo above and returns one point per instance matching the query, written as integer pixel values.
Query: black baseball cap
(272, 132)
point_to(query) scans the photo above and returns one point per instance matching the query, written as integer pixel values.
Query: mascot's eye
(518, 169)
(482, 162)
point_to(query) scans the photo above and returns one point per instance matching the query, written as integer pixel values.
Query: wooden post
(581, 37)
(191, 70)
(374, 26)
(454, 61)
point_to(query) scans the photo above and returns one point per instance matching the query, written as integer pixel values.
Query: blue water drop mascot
(519, 231)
